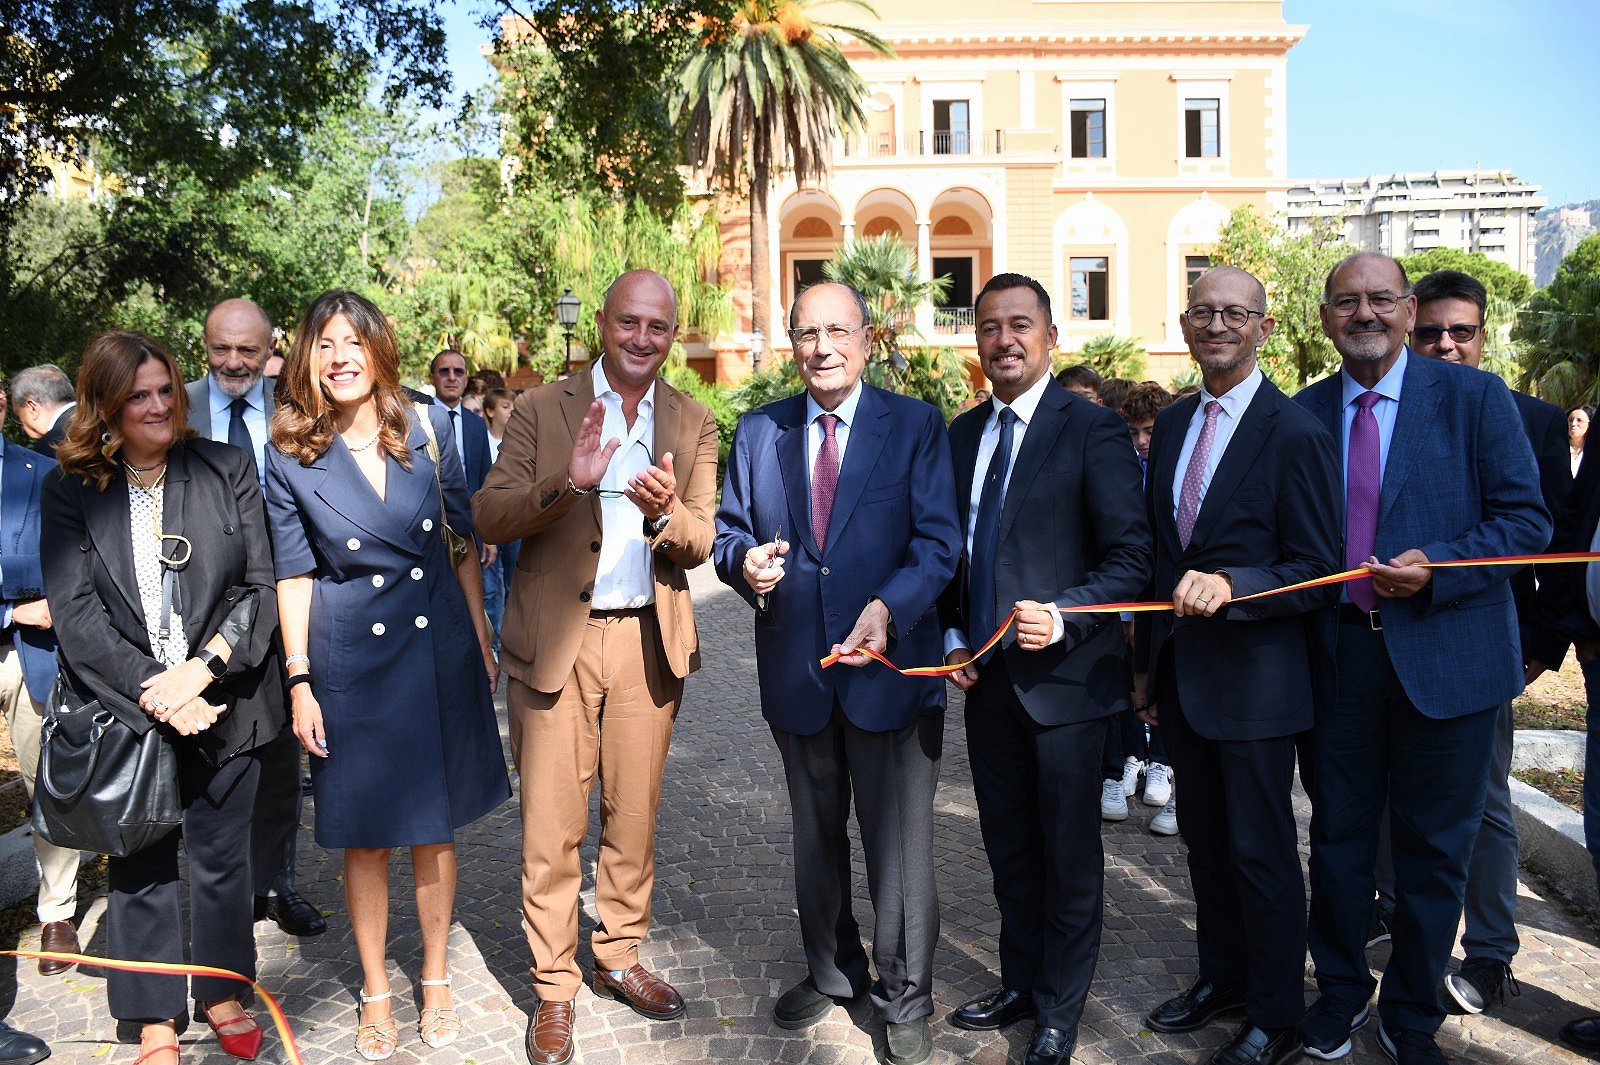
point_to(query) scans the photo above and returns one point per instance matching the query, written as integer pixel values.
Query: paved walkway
(726, 933)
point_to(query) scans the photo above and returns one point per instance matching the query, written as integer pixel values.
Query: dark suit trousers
(1038, 791)
(1375, 743)
(144, 919)
(277, 815)
(1237, 817)
(893, 776)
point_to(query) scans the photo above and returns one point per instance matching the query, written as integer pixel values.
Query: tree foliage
(227, 87)
(1113, 356)
(1293, 267)
(1559, 331)
(764, 94)
(1509, 286)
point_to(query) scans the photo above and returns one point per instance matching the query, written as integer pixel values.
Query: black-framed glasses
(806, 339)
(618, 493)
(1234, 317)
(1430, 334)
(1380, 302)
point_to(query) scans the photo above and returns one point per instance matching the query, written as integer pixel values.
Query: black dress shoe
(1196, 1007)
(1257, 1046)
(1050, 1046)
(1583, 1033)
(291, 913)
(803, 1005)
(20, 1048)
(994, 1010)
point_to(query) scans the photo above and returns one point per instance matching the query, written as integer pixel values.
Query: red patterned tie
(824, 480)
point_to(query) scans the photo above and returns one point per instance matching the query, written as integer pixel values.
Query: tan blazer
(525, 497)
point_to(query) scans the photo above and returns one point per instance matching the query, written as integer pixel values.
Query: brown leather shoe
(58, 937)
(649, 995)
(550, 1034)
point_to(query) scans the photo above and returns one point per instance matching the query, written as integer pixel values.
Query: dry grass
(1554, 701)
(1563, 785)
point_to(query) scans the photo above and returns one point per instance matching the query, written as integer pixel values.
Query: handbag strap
(433, 453)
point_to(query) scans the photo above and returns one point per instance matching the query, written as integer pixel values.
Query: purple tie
(1363, 485)
(824, 480)
(1194, 477)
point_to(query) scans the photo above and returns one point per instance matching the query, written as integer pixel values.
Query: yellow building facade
(1096, 145)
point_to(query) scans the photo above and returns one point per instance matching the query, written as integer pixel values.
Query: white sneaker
(1131, 768)
(1165, 823)
(1157, 785)
(1113, 803)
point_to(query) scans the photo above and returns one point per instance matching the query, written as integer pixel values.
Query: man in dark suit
(862, 477)
(1048, 493)
(1450, 327)
(43, 398)
(233, 404)
(449, 374)
(1436, 468)
(27, 669)
(1244, 497)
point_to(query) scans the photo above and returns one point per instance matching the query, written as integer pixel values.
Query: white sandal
(438, 1025)
(372, 1038)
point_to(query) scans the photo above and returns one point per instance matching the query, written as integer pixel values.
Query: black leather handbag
(102, 786)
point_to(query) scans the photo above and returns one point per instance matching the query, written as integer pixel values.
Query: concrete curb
(19, 871)
(1552, 845)
(1550, 749)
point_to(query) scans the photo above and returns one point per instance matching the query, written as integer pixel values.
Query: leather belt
(1350, 614)
(630, 613)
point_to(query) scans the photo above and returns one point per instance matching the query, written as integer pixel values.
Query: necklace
(150, 491)
(373, 439)
(145, 469)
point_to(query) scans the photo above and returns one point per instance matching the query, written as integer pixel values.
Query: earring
(105, 438)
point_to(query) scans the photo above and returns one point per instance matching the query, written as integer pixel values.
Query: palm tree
(765, 94)
(1559, 330)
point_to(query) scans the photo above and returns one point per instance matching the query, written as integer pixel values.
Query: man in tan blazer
(608, 478)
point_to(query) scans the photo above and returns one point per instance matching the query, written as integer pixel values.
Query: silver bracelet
(292, 659)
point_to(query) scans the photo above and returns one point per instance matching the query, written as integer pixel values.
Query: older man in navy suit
(862, 479)
(1436, 467)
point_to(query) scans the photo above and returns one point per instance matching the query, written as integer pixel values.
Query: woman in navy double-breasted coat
(398, 712)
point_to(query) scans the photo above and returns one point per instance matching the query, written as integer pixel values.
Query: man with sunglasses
(1450, 327)
(608, 478)
(1436, 468)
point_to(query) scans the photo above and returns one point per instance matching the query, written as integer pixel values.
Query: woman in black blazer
(139, 504)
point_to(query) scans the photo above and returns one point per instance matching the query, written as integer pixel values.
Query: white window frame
(932, 89)
(1203, 85)
(1097, 86)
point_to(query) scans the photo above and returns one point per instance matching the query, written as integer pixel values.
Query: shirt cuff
(1058, 628)
(953, 638)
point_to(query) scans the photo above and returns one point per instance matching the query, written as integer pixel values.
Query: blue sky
(1379, 86)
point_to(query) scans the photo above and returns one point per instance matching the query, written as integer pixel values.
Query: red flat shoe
(242, 1038)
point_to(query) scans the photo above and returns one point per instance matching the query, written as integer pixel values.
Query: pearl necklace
(356, 448)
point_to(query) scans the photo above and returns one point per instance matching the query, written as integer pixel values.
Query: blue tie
(986, 535)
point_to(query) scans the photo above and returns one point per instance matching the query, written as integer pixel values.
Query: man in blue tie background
(1436, 467)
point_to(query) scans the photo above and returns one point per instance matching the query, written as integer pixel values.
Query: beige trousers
(58, 866)
(612, 720)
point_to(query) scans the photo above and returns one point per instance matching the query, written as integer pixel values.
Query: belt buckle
(1374, 621)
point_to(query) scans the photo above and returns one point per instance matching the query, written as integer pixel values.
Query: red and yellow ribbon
(279, 1020)
(1150, 608)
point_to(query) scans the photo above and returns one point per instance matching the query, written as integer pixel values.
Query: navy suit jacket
(1546, 426)
(892, 536)
(1460, 482)
(1073, 531)
(1270, 517)
(21, 573)
(475, 442)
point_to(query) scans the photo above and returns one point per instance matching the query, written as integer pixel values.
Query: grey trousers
(893, 776)
(276, 822)
(1491, 905)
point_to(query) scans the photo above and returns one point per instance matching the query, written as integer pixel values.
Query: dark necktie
(824, 480)
(455, 418)
(986, 535)
(238, 431)
(1363, 485)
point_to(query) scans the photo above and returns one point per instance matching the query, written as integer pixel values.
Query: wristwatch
(213, 662)
(653, 526)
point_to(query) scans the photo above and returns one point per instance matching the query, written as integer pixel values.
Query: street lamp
(567, 314)
(758, 344)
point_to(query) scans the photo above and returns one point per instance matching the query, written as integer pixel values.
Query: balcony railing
(923, 143)
(953, 320)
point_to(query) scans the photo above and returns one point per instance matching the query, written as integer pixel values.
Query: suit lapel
(668, 421)
(1419, 400)
(867, 437)
(1244, 447)
(1165, 471)
(106, 515)
(1049, 418)
(965, 435)
(791, 445)
(342, 486)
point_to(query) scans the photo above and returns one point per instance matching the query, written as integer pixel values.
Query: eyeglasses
(618, 493)
(806, 339)
(1430, 334)
(1381, 303)
(450, 371)
(1233, 317)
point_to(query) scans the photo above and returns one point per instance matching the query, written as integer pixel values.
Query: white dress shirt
(458, 421)
(1234, 403)
(1385, 411)
(625, 579)
(255, 418)
(1025, 406)
(845, 412)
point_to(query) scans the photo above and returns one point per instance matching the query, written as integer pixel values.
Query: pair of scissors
(777, 538)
